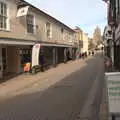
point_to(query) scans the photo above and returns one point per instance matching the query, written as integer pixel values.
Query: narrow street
(76, 97)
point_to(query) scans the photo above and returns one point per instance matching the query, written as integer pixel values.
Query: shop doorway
(4, 60)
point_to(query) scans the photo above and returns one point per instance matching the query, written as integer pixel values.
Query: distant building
(85, 43)
(79, 37)
(82, 38)
(91, 46)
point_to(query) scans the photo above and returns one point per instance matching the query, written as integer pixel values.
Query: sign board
(35, 54)
(22, 11)
(113, 88)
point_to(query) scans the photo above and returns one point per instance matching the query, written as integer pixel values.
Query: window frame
(50, 28)
(33, 24)
(3, 16)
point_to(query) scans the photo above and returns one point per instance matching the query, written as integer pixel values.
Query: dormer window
(3, 16)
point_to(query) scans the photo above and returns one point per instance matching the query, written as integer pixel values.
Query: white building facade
(23, 25)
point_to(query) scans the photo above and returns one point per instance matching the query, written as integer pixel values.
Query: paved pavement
(104, 106)
(26, 83)
(73, 93)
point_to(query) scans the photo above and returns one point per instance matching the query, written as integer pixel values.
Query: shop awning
(16, 42)
(9, 41)
(55, 45)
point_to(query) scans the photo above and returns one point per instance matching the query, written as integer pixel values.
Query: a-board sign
(113, 90)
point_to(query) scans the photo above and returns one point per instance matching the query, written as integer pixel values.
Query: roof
(15, 41)
(24, 3)
(77, 29)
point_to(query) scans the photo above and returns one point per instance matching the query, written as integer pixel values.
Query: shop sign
(113, 90)
(19, 51)
(35, 54)
(24, 51)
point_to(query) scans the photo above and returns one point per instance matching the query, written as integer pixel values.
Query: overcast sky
(87, 14)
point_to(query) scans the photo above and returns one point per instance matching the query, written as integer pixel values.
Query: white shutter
(8, 24)
(8, 18)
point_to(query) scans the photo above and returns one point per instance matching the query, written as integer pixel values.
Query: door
(4, 60)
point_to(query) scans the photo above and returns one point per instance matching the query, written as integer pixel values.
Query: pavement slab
(63, 95)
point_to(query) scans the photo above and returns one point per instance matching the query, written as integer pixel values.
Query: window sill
(30, 33)
(4, 30)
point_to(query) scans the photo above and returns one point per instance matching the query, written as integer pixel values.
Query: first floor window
(3, 15)
(30, 23)
(3, 22)
(48, 30)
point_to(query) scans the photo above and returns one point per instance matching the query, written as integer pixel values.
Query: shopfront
(9, 61)
(25, 54)
(13, 56)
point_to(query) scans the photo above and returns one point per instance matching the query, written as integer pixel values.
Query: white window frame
(27, 28)
(64, 36)
(48, 37)
(62, 33)
(34, 24)
(7, 17)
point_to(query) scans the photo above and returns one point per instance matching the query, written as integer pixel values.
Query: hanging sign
(35, 54)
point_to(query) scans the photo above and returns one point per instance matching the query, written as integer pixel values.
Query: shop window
(48, 30)
(3, 16)
(30, 23)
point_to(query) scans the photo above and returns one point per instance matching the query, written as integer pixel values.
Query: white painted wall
(17, 27)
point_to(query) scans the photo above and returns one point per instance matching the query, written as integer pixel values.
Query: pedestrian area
(26, 83)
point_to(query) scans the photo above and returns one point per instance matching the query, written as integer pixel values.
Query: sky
(86, 14)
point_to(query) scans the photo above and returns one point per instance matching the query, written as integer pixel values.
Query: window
(30, 23)
(3, 16)
(48, 30)
(62, 30)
